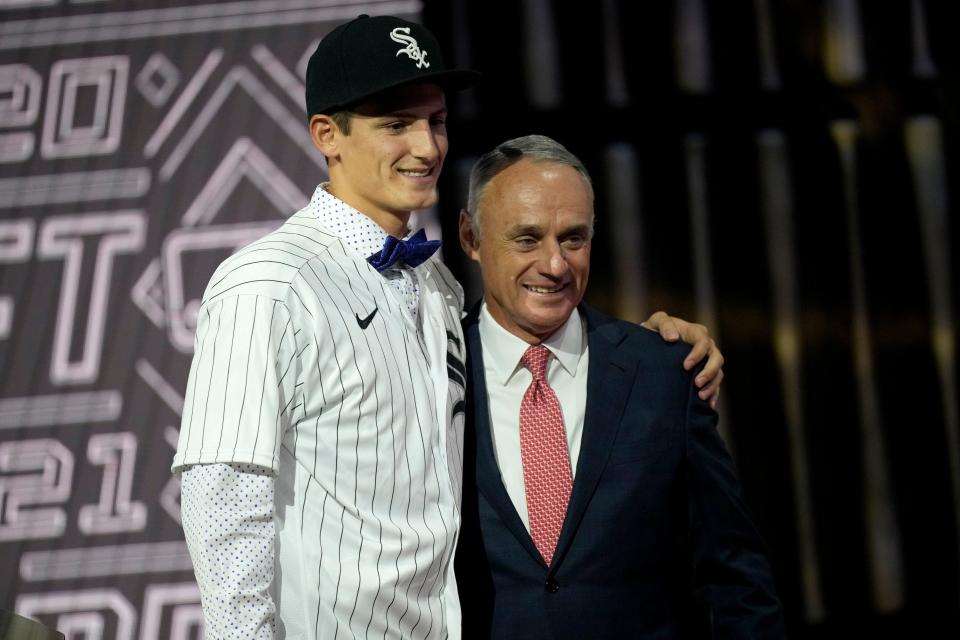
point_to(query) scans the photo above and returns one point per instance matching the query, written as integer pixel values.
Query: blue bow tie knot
(411, 252)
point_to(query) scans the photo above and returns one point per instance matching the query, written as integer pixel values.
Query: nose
(556, 262)
(424, 144)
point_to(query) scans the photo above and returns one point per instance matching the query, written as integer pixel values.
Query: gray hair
(534, 148)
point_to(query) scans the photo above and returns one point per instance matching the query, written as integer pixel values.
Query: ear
(469, 241)
(323, 133)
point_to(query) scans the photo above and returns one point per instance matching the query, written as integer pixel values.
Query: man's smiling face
(388, 165)
(535, 224)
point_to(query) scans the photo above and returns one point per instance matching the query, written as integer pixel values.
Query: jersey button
(551, 585)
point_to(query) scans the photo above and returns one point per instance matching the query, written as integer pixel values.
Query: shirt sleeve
(240, 393)
(227, 514)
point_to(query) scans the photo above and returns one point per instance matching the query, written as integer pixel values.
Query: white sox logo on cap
(411, 48)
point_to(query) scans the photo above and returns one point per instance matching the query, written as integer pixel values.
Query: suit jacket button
(552, 586)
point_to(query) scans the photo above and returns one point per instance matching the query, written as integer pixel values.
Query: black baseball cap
(368, 55)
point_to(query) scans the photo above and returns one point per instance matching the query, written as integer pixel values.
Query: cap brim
(448, 80)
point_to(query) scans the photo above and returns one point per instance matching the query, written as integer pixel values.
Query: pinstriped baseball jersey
(308, 363)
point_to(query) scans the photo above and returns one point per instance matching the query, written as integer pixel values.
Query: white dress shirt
(507, 380)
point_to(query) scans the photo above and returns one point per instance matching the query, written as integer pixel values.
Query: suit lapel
(489, 481)
(610, 375)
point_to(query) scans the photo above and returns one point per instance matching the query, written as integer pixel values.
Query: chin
(550, 312)
(546, 325)
(421, 193)
(428, 200)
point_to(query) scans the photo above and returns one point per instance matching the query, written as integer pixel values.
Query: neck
(393, 222)
(529, 335)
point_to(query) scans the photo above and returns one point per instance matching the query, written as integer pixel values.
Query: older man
(602, 503)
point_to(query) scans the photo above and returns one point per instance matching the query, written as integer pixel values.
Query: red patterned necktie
(543, 449)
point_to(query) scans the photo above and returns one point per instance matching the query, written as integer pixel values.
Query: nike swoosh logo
(365, 322)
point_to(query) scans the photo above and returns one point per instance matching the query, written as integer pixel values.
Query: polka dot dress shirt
(231, 507)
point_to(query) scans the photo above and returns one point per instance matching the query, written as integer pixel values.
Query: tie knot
(535, 359)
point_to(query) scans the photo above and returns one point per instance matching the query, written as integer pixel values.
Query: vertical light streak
(695, 146)
(694, 72)
(843, 42)
(884, 551)
(766, 47)
(540, 53)
(776, 198)
(923, 138)
(625, 211)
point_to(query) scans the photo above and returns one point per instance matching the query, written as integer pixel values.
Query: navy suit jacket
(656, 543)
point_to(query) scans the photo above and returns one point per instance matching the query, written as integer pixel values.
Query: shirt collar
(358, 232)
(505, 349)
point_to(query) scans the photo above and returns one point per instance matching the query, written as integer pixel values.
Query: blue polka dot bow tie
(412, 252)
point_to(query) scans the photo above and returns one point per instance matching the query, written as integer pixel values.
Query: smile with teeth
(423, 173)
(553, 289)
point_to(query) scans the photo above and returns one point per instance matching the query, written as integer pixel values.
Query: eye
(438, 121)
(575, 241)
(395, 126)
(526, 242)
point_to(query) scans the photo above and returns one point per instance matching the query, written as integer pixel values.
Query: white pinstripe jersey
(307, 362)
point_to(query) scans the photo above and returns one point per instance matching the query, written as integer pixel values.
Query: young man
(321, 446)
(599, 501)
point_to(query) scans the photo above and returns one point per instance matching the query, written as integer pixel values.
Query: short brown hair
(342, 119)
